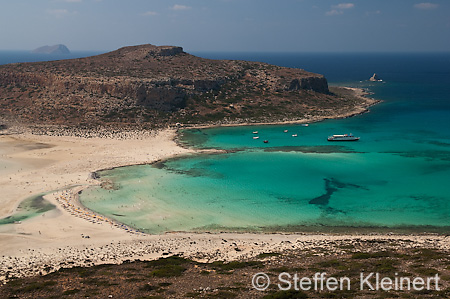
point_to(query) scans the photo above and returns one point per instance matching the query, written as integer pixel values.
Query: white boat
(256, 137)
(285, 131)
(294, 135)
(344, 137)
(255, 132)
(305, 125)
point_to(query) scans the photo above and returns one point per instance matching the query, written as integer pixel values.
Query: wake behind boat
(345, 137)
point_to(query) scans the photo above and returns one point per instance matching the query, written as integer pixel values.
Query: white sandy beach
(44, 163)
(58, 238)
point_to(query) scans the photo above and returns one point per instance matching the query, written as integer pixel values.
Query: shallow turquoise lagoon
(258, 190)
(396, 176)
(29, 208)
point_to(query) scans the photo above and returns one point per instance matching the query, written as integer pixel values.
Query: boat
(294, 135)
(255, 132)
(285, 131)
(305, 125)
(256, 137)
(345, 137)
(266, 141)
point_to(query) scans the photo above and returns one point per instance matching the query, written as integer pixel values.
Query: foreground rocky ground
(178, 277)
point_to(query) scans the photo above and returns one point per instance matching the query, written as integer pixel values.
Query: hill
(156, 86)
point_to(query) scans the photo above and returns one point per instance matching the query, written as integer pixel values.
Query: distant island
(56, 49)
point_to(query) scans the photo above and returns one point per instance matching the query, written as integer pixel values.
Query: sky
(228, 25)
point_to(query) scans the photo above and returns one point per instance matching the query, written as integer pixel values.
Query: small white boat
(294, 135)
(285, 131)
(305, 125)
(255, 132)
(256, 137)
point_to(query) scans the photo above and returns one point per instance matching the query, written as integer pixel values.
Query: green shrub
(168, 271)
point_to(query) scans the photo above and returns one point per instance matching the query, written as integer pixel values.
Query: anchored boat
(345, 137)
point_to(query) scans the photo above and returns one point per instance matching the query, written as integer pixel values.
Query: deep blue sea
(395, 177)
(9, 56)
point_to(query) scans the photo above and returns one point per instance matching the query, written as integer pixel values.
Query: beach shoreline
(62, 239)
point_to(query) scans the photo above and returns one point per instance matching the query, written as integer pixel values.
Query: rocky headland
(155, 86)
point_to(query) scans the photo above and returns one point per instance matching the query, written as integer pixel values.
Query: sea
(17, 56)
(395, 178)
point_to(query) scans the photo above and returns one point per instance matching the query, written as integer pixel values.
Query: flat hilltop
(155, 86)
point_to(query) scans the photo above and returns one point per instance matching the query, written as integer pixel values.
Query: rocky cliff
(158, 85)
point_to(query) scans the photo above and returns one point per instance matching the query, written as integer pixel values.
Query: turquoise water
(33, 205)
(29, 208)
(396, 176)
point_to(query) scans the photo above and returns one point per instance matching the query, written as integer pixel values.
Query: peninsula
(155, 86)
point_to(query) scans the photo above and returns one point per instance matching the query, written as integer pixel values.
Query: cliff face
(318, 84)
(155, 85)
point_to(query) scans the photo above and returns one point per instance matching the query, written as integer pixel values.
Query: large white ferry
(345, 137)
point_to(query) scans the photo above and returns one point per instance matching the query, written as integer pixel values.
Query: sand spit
(45, 163)
(54, 162)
